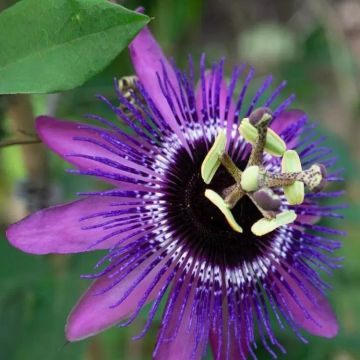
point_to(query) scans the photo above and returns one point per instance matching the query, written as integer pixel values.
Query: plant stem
(36, 186)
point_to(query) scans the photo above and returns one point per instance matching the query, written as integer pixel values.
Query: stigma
(257, 183)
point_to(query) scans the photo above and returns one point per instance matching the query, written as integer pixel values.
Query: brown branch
(7, 143)
(36, 187)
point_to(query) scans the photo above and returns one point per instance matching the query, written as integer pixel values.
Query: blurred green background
(315, 45)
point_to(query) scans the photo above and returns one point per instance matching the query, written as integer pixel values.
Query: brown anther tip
(258, 114)
(323, 181)
(267, 199)
(323, 170)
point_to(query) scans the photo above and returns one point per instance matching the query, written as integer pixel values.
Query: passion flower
(214, 206)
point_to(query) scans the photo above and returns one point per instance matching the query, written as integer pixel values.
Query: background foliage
(61, 43)
(315, 45)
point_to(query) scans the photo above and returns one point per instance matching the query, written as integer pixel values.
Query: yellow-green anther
(315, 177)
(265, 226)
(291, 163)
(212, 160)
(219, 202)
(274, 145)
(249, 179)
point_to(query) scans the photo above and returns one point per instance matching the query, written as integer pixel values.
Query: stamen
(230, 166)
(260, 115)
(264, 226)
(255, 181)
(260, 118)
(313, 178)
(219, 202)
(212, 160)
(277, 180)
(291, 163)
(274, 144)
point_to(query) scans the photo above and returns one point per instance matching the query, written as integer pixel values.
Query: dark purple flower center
(203, 227)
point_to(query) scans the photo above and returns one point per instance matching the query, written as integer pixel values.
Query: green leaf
(55, 45)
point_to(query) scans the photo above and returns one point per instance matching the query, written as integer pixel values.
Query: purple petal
(148, 61)
(222, 97)
(182, 346)
(233, 352)
(284, 121)
(58, 229)
(184, 331)
(323, 320)
(63, 137)
(94, 312)
(308, 219)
